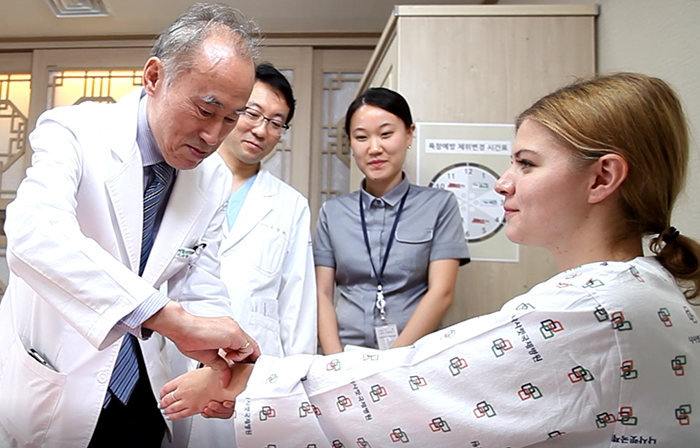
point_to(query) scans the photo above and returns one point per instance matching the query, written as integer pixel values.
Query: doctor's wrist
(169, 320)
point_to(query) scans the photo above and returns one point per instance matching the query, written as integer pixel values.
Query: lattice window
(15, 90)
(339, 90)
(77, 86)
(279, 162)
(14, 110)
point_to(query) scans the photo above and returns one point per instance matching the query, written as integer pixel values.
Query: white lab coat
(74, 238)
(267, 265)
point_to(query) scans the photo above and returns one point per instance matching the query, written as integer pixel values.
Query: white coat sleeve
(297, 295)
(87, 286)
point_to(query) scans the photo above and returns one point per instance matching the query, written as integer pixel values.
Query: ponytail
(680, 255)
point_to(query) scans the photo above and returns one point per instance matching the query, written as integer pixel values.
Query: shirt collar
(150, 152)
(391, 198)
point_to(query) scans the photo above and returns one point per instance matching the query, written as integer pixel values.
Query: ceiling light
(78, 8)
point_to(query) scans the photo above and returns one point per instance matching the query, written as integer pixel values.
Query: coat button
(103, 377)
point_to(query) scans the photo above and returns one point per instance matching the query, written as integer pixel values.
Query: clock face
(481, 207)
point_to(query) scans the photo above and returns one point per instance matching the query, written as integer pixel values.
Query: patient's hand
(199, 391)
(217, 409)
(190, 393)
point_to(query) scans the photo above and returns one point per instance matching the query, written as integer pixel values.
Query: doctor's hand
(201, 338)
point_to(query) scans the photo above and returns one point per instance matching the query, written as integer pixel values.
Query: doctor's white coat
(74, 237)
(267, 265)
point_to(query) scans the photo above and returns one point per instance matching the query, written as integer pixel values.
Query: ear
(153, 75)
(409, 134)
(609, 172)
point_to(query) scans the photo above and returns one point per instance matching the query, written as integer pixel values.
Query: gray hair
(176, 45)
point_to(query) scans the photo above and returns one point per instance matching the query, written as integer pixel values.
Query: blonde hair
(641, 119)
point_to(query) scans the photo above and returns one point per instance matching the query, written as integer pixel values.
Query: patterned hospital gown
(603, 355)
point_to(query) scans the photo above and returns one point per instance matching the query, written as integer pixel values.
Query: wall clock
(481, 207)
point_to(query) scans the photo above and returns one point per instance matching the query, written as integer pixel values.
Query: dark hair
(268, 74)
(382, 98)
(641, 119)
(179, 42)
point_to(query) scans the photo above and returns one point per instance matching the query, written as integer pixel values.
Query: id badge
(191, 255)
(386, 335)
(184, 253)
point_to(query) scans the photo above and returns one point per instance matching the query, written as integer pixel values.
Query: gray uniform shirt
(430, 229)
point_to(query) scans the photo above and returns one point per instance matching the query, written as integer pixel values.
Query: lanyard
(381, 303)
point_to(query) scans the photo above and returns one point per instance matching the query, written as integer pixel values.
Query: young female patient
(605, 353)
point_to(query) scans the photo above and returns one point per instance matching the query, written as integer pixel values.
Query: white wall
(658, 38)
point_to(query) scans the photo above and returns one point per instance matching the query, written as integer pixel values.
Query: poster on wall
(467, 159)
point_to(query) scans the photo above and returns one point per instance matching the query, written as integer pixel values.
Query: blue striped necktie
(153, 196)
(126, 369)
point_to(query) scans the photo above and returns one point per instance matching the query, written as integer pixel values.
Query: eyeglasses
(254, 117)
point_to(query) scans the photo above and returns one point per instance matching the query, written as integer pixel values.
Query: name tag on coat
(190, 254)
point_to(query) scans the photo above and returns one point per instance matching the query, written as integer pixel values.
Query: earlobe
(409, 134)
(609, 171)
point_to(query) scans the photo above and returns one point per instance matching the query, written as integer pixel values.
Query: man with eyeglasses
(266, 257)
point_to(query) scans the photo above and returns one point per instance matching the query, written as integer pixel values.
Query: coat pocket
(271, 248)
(264, 326)
(415, 247)
(29, 395)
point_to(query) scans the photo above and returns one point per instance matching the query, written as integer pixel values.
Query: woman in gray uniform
(391, 249)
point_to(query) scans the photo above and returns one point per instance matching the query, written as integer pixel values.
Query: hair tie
(671, 235)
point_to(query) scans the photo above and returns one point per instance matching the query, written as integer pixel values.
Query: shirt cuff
(324, 259)
(132, 322)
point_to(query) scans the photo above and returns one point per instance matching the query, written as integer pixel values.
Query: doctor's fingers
(246, 352)
(236, 339)
(220, 366)
(202, 333)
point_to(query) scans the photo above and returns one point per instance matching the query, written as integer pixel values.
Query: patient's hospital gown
(603, 355)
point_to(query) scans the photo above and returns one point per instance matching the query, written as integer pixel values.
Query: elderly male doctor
(119, 199)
